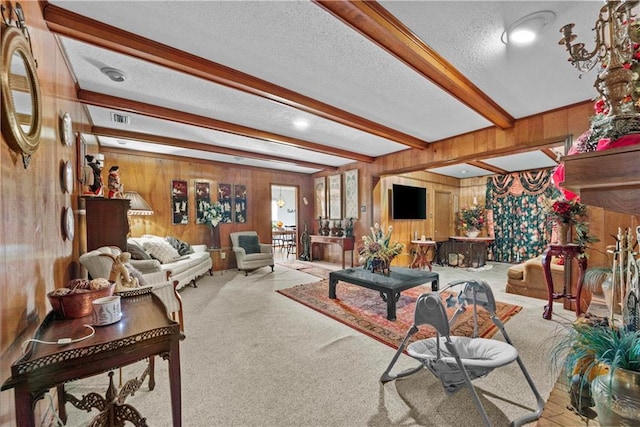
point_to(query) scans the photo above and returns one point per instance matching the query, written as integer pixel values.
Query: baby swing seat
(457, 360)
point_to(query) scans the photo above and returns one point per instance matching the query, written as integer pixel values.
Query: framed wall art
(203, 200)
(81, 151)
(224, 198)
(351, 202)
(179, 202)
(320, 197)
(335, 197)
(240, 202)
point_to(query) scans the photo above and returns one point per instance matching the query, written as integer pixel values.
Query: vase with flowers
(377, 251)
(212, 216)
(566, 214)
(471, 220)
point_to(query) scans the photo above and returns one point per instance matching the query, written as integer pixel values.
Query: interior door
(442, 216)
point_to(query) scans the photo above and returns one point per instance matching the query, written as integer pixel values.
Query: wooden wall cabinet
(107, 222)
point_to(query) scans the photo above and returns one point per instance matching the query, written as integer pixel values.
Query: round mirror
(21, 99)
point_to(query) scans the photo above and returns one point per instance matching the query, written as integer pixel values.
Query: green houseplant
(606, 359)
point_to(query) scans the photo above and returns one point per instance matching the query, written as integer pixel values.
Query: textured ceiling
(302, 47)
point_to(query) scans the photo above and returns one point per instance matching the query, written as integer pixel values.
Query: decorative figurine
(93, 179)
(116, 190)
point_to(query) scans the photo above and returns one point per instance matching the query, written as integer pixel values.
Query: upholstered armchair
(250, 253)
(98, 263)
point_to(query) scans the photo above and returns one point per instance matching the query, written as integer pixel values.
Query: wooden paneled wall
(152, 176)
(34, 256)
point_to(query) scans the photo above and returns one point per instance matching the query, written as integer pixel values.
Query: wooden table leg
(175, 385)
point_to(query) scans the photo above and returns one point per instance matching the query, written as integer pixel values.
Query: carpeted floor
(254, 358)
(364, 310)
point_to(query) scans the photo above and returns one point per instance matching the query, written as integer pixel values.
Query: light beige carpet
(254, 358)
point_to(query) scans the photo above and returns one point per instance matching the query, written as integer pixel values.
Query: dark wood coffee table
(390, 286)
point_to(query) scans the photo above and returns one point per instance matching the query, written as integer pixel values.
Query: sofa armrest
(146, 266)
(199, 248)
(265, 248)
(239, 250)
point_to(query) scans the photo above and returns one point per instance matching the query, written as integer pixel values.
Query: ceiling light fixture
(114, 74)
(280, 202)
(526, 29)
(301, 124)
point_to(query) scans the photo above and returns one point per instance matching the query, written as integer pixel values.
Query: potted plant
(606, 361)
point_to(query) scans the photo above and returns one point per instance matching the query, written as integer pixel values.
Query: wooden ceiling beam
(192, 145)
(376, 23)
(488, 167)
(90, 31)
(122, 104)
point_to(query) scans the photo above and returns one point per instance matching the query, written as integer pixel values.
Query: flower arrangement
(212, 214)
(377, 251)
(471, 218)
(571, 212)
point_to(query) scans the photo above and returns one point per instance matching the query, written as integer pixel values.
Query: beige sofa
(527, 278)
(185, 269)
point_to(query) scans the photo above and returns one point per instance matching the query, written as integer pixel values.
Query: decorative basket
(78, 304)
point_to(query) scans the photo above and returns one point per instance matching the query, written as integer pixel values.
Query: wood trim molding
(192, 145)
(375, 22)
(87, 30)
(122, 104)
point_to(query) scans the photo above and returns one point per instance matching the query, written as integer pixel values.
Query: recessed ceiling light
(122, 142)
(526, 29)
(301, 124)
(464, 171)
(114, 74)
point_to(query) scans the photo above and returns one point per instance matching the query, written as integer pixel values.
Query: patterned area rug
(308, 268)
(364, 310)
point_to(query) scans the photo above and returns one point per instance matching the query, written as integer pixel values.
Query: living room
(38, 257)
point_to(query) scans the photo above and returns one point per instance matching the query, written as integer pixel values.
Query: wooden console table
(568, 251)
(346, 243)
(144, 331)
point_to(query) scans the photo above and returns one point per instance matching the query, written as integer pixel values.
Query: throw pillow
(134, 272)
(250, 244)
(183, 248)
(161, 250)
(137, 251)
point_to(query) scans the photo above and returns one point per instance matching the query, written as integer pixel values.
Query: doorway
(284, 219)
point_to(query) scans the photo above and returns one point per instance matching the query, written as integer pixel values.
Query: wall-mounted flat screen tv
(408, 202)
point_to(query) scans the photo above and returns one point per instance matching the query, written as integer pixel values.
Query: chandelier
(615, 34)
(280, 202)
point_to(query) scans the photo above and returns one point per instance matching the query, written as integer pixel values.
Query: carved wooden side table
(569, 252)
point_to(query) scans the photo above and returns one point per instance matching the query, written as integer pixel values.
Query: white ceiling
(302, 47)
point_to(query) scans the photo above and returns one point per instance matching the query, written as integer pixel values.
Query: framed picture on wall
(351, 202)
(180, 202)
(335, 197)
(225, 199)
(81, 162)
(240, 202)
(203, 199)
(320, 197)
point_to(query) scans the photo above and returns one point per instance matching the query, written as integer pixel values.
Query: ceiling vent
(120, 118)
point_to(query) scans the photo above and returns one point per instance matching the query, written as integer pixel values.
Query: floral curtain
(516, 207)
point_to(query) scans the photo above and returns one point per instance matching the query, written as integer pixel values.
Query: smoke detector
(114, 74)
